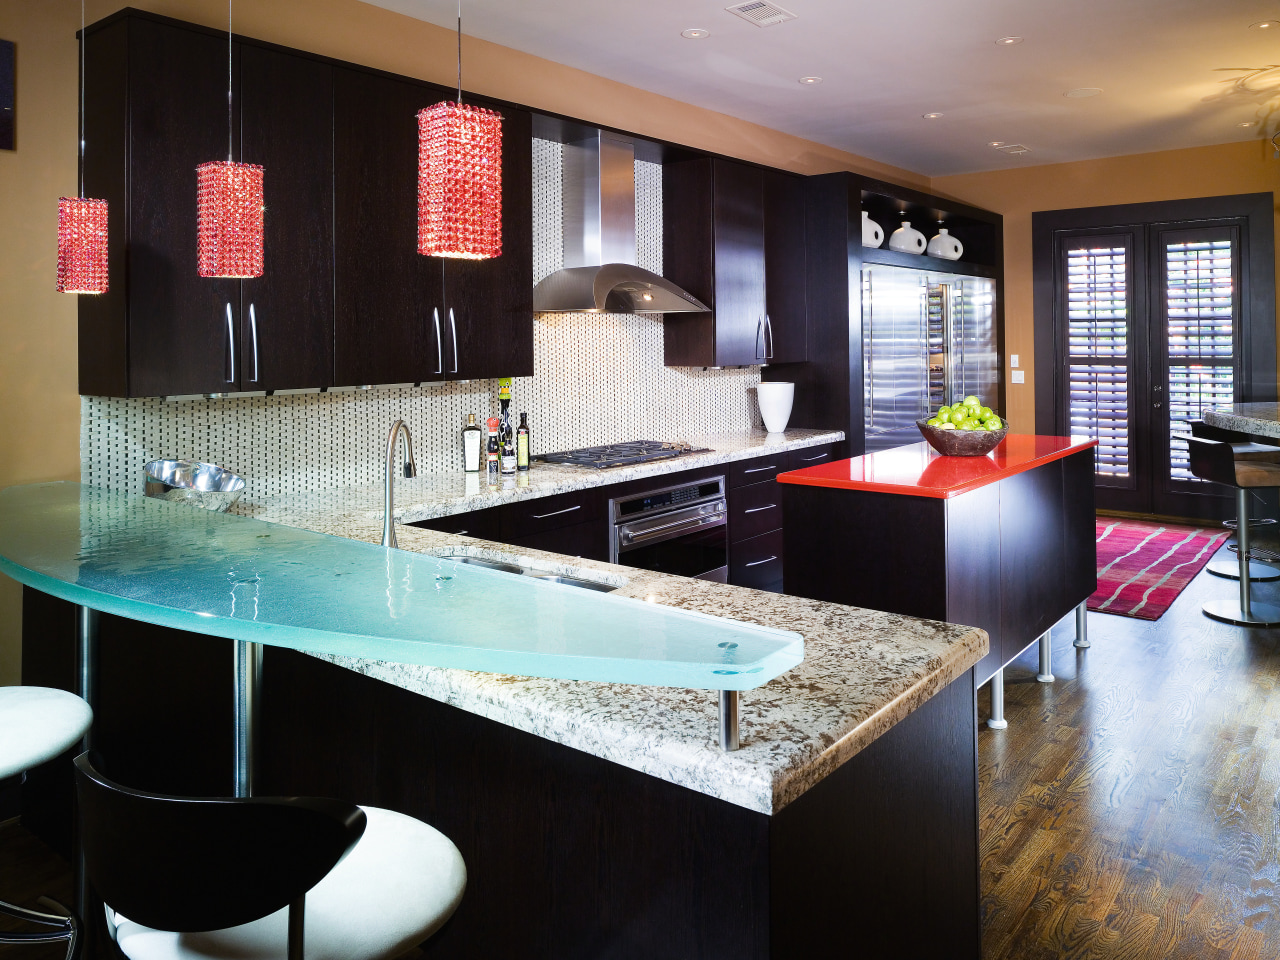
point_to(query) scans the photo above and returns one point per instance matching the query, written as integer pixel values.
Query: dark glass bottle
(522, 443)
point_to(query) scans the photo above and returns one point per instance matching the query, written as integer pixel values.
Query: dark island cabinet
(158, 109)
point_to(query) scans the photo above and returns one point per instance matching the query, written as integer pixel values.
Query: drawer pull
(765, 560)
(543, 516)
(760, 469)
(821, 456)
(772, 506)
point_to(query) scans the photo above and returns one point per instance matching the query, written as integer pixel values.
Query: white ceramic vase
(872, 232)
(946, 246)
(907, 240)
(775, 404)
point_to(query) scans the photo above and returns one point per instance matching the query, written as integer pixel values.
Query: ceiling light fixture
(695, 33)
(1264, 24)
(459, 177)
(82, 223)
(1080, 93)
(1246, 123)
(810, 81)
(1008, 41)
(996, 143)
(930, 116)
(229, 208)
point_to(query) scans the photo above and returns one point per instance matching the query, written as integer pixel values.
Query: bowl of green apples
(964, 429)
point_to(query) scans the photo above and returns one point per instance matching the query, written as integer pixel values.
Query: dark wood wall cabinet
(829, 388)
(344, 299)
(733, 236)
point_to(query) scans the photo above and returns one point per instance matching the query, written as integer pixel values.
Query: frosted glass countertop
(231, 576)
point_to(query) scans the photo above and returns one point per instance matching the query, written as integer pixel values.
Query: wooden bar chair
(36, 725)
(262, 878)
(1244, 469)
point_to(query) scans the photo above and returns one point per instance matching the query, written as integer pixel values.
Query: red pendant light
(229, 208)
(82, 223)
(459, 177)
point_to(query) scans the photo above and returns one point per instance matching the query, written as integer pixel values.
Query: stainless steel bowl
(204, 485)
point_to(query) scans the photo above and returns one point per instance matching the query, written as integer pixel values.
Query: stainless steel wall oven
(681, 530)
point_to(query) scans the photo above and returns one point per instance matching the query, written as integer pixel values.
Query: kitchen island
(602, 818)
(1004, 541)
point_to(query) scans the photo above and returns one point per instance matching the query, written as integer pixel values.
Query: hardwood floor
(1130, 810)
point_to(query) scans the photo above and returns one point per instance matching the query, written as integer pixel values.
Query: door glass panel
(1200, 308)
(1098, 374)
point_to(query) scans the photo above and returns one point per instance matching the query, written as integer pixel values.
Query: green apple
(946, 425)
(985, 414)
(970, 424)
(972, 401)
(933, 422)
(959, 415)
(943, 411)
(993, 423)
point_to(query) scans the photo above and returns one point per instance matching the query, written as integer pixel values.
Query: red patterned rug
(1142, 567)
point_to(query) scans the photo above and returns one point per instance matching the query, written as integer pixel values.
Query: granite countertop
(444, 494)
(863, 671)
(1259, 419)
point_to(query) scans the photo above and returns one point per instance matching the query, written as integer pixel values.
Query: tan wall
(39, 407)
(1169, 175)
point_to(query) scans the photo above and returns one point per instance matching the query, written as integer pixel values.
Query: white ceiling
(1174, 73)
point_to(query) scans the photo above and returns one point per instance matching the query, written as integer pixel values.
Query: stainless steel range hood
(600, 275)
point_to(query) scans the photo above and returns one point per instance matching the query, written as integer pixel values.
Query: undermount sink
(490, 564)
(572, 581)
(505, 567)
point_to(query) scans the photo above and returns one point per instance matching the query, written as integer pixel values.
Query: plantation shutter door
(1097, 292)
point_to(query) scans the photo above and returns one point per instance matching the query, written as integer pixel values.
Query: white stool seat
(395, 888)
(37, 724)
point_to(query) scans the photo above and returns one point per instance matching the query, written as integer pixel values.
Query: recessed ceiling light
(695, 33)
(1008, 41)
(1079, 93)
(931, 116)
(1247, 123)
(1264, 24)
(996, 143)
(810, 81)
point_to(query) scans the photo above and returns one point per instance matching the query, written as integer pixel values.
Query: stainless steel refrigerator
(927, 339)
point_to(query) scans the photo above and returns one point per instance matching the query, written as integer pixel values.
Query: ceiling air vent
(761, 13)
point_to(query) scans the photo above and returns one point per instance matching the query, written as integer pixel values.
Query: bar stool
(1244, 448)
(37, 724)
(1217, 462)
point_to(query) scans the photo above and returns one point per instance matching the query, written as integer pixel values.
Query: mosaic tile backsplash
(598, 378)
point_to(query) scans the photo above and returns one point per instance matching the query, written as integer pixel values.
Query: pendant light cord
(229, 140)
(459, 52)
(82, 40)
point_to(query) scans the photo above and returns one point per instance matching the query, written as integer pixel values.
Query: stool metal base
(1230, 570)
(1228, 611)
(1253, 522)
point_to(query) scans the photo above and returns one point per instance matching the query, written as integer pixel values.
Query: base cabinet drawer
(757, 562)
(587, 540)
(758, 470)
(810, 456)
(476, 523)
(528, 517)
(754, 510)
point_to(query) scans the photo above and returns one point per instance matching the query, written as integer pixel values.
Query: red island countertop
(917, 470)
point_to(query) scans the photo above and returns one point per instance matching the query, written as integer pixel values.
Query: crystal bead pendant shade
(229, 219)
(459, 182)
(82, 245)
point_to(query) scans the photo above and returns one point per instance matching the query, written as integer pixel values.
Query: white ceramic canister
(872, 232)
(946, 246)
(907, 240)
(775, 404)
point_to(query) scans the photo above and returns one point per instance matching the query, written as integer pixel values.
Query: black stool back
(191, 864)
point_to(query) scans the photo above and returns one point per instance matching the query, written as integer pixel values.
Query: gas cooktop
(621, 454)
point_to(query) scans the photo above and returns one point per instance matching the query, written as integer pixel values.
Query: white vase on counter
(946, 246)
(775, 404)
(872, 232)
(907, 240)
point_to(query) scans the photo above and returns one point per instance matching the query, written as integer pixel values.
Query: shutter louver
(1200, 310)
(1098, 349)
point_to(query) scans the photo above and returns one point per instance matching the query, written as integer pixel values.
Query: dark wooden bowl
(963, 443)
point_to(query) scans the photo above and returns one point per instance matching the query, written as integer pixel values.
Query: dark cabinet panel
(488, 304)
(385, 330)
(1032, 547)
(551, 513)
(713, 245)
(810, 457)
(786, 305)
(181, 325)
(286, 317)
(757, 563)
(482, 524)
(758, 469)
(587, 540)
(973, 582)
(754, 509)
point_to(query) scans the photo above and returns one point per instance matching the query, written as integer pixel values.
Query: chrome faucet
(388, 519)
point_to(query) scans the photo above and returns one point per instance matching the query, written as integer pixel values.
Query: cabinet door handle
(768, 338)
(556, 513)
(760, 469)
(253, 336)
(231, 346)
(821, 456)
(765, 560)
(435, 318)
(772, 506)
(759, 331)
(453, 328)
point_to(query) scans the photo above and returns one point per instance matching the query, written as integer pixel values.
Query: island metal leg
(248, 681)
(997, 721)
(1082, 625)
(728, 720)
(1046, 658)
(87, 682)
